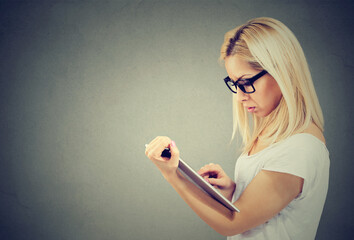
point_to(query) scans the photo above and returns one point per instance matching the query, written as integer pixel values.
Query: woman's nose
(241, 96)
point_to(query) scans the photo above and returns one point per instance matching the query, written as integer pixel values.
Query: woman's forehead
(237, 67)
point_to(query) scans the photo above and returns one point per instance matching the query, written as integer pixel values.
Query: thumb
(174, 150)
(215, 181)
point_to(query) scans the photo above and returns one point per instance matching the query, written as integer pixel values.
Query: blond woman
(281, 177)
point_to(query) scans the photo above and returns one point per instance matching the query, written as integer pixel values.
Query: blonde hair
(266, 43)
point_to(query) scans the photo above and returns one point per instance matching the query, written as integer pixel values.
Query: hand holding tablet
(200, 182)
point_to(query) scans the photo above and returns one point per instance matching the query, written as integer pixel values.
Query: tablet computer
(200, 182)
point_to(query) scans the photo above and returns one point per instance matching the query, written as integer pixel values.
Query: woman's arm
(267, 194)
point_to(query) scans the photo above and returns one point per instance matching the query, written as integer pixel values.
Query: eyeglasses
(246, 85)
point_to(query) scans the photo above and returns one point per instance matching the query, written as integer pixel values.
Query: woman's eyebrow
(242, 76)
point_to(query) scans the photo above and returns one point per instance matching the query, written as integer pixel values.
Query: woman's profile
(281, 177)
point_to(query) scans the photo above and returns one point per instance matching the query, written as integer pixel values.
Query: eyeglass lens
(244, 86)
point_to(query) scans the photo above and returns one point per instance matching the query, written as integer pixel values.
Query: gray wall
(85, 84)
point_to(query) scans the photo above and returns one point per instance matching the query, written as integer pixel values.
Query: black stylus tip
(166, 153)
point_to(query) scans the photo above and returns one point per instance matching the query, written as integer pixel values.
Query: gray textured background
(85, 84)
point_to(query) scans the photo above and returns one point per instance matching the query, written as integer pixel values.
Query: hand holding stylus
(167, 164)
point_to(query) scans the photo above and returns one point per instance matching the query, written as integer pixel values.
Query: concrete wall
(85, 84)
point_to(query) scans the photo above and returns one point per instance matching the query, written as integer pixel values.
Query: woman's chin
(260, 114)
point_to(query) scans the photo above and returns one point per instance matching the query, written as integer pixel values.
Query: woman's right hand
(216, 176)
(167, 166)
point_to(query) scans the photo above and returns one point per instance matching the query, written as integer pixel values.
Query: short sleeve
(298, 156)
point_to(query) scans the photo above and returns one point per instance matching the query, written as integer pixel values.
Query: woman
(281, 178)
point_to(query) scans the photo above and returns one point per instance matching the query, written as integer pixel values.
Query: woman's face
(267, 95)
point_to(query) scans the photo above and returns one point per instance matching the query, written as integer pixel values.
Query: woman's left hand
(167, 166)
(216, 176)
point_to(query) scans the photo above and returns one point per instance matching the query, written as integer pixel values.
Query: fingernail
(173, 144)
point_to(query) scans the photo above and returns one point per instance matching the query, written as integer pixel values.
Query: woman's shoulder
(316, 132)
(304, 150)
(310, 136)
(310, 140)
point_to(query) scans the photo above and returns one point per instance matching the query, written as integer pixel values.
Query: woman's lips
(251, 109)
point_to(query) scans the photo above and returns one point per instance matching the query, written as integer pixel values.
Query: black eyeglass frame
(241, 86)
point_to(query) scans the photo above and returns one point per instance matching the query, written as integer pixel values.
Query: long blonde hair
(266, 43)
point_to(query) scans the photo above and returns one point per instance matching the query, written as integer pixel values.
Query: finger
(174, 151)
(209, 169)
(151, 143)
(206, 178)
(203, 171)
(156, 147)
(149, 146)
(217, 171)
(154, 152)
(216, 182)
(157, 141)
(215, 166)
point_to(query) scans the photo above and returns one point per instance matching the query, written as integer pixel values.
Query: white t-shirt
(301, 155)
